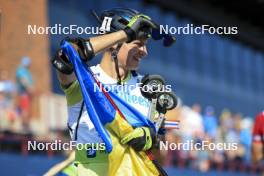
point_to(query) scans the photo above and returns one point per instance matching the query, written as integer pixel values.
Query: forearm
(65, 80)
(103, 42)
(99, 44)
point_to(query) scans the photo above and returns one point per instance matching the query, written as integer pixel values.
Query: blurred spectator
(25, 90)
(191, 126)
(225, 123)
(228, 128)
(210, 122)
(7, 87)
(192, 123)
(7, 94)
(233, 136)
(258, 138)
(202, 158)
(245, 136)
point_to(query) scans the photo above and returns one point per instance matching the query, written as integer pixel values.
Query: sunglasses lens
(155, 34)
(168, 40)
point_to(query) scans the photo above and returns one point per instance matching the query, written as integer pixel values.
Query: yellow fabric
(123, 160)
(119, 126)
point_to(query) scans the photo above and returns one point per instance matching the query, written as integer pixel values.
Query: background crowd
(16, 97)
(197, 124)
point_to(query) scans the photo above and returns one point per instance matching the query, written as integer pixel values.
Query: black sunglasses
(168, 39)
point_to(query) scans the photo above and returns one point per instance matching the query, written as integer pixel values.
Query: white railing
(53, 112)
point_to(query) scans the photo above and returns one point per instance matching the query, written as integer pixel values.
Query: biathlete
(123, 47)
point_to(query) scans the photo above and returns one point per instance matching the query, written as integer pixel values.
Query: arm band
(88, 49)
(85, 49)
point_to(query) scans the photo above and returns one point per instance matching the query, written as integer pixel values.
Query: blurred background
(219, 79)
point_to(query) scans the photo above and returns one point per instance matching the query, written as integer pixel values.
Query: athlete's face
(130, 54)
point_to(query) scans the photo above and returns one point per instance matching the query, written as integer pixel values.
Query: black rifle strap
(78, 121)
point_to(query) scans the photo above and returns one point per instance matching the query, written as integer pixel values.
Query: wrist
(131, 35)
(153, 136)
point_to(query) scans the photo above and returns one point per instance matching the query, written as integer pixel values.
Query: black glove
(62, 63)
(85, 48)
(139, 27)
(141, 138)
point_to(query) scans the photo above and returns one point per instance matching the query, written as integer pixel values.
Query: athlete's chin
(133, 67)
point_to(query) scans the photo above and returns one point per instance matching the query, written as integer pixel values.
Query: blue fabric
(98, 107)
(133, 116)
